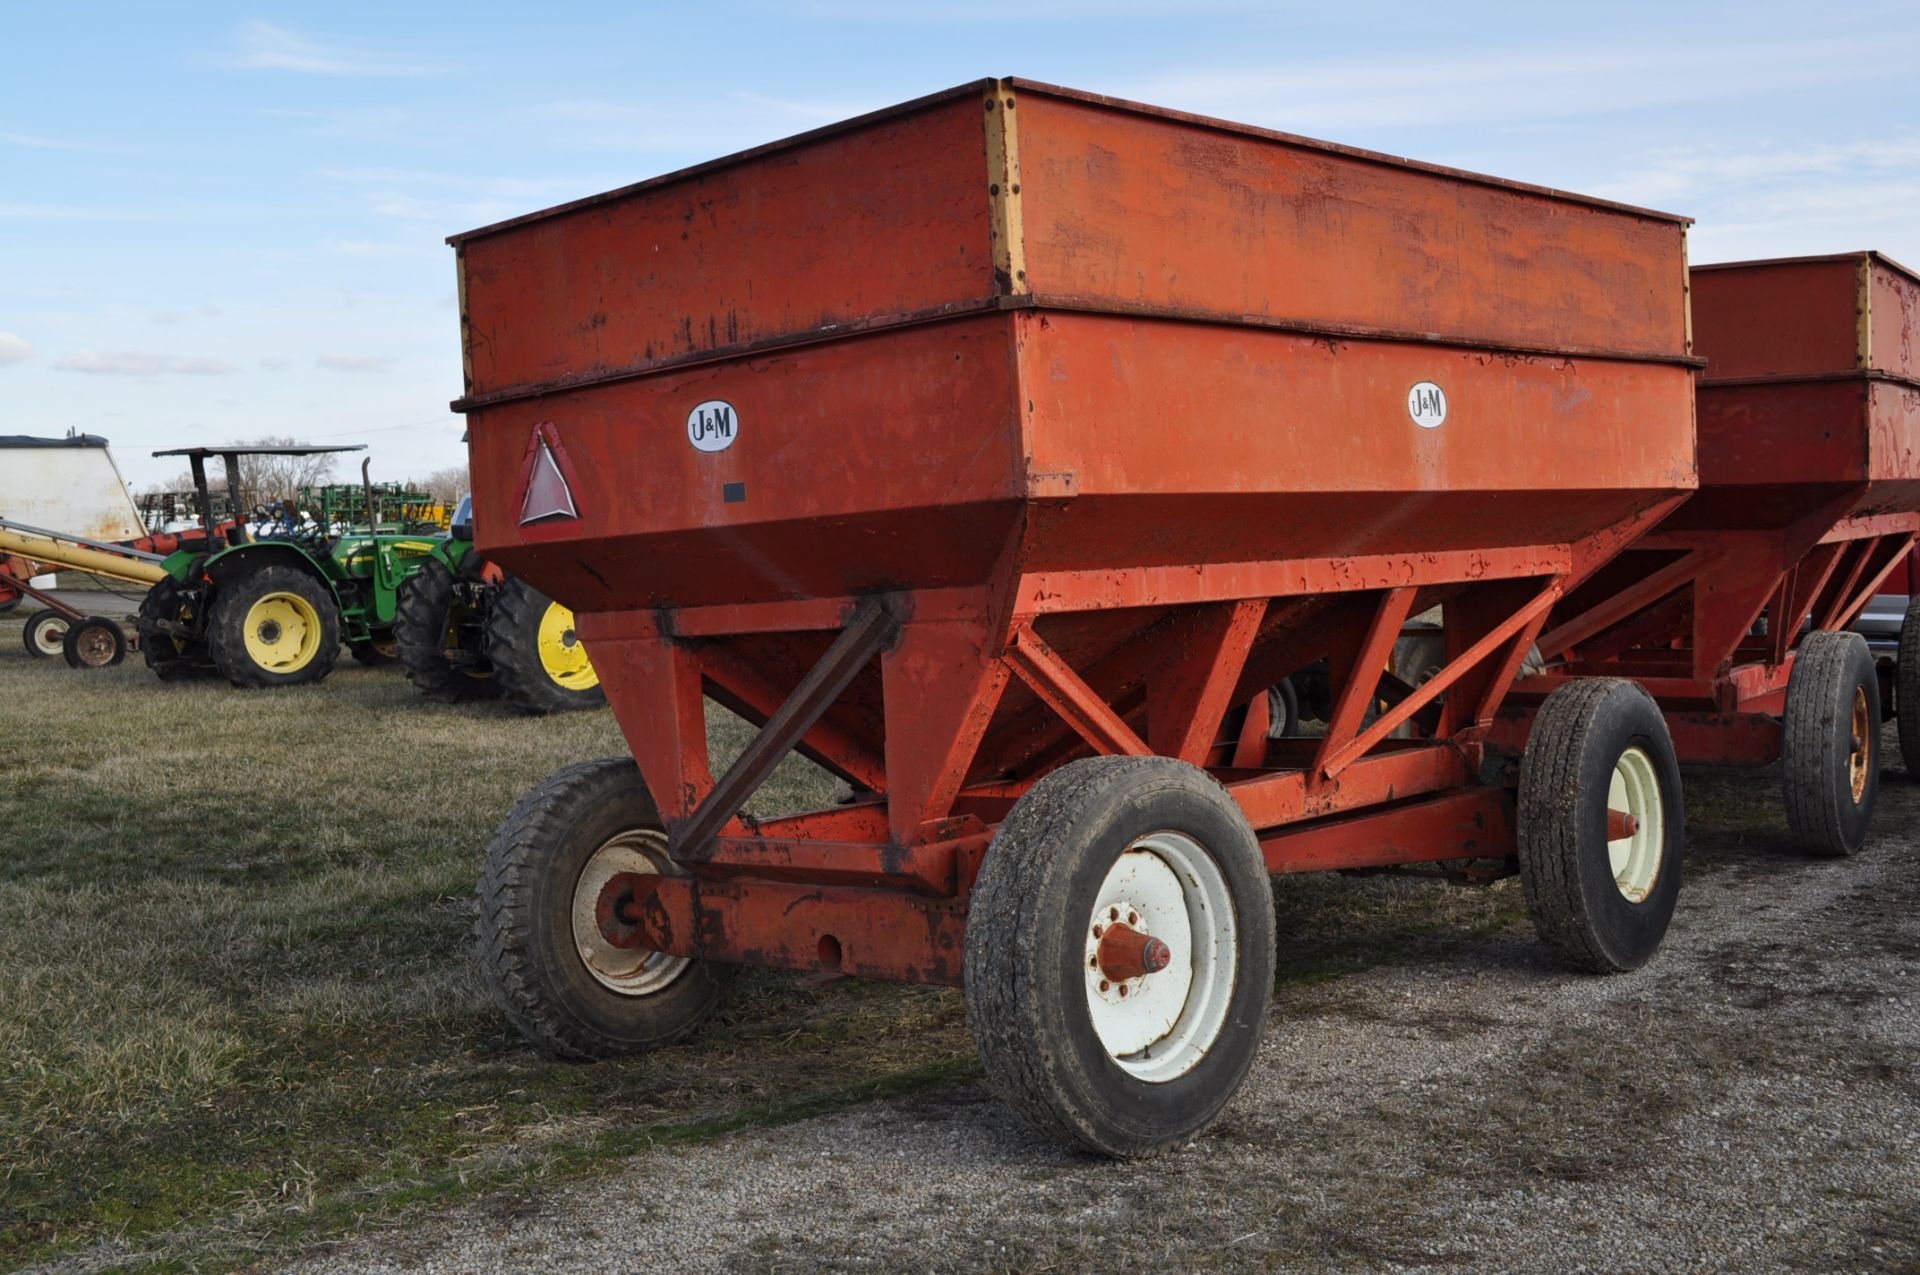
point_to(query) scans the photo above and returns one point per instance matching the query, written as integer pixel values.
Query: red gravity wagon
(1734, 611)
(990, 450)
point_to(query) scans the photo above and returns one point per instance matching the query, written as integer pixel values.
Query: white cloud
(32, 141)
(13, 349)
(142, 363)
(272, 364)
(265, 47)
(353, 363)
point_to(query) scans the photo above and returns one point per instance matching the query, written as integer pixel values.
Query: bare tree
(446, 485)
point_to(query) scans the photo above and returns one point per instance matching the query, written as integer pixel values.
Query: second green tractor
(465, 630)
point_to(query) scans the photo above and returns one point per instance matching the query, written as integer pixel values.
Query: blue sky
(220, 221)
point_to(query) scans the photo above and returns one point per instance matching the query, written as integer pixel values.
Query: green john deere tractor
(467, 630)
(274, 604)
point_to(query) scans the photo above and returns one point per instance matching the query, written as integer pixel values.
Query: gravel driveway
(1750, 1100)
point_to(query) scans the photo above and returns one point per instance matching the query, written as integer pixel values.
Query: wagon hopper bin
(988, 450)
(1734, 611)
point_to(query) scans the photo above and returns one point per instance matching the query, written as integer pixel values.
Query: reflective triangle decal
(548, 495)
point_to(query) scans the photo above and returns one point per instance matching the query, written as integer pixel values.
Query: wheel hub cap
(562, 654)
(1860, 759)
(1160, 955)
(621, 967)
(282, 632)
(1636, 825)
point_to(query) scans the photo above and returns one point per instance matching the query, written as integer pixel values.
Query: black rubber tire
(1906, 689)
(1026, 989)
(525, 930)
(422, 623)
(42, 644)
(226, 621)
(513, 647)
(1816, 743)
(94, 642)
(170, 659)
(1283, 709)
(1579, 735)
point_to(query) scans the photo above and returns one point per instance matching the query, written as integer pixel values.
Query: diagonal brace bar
(868, 631)
(1067, 693)
(1439, 682)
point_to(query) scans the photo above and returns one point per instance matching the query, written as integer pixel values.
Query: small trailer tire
(1906, 689)
(45, 634)
(95, 642)
(568, 990)
(1830, 743)
(1153, 849)
(1602, 901)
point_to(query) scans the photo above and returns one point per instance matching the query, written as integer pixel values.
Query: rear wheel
(273, 626)
(440, 634)
(95, 642)
(165, 613)
(552, 971)
(1906, 689)
(1830, 743)
(537, 656)
(1601, 824)
(45, 634)
(1119, 954)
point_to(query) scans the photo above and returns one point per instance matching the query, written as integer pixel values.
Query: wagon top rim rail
(975, 87)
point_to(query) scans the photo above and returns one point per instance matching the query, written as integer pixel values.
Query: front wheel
(567, 988)
(1602, 824)
(440, 635)
(1830, 743)
(1119, 954)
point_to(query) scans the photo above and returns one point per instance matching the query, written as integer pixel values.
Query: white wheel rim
(627, 970)
(1157, 1027)
(51, 637)
(1636, 858)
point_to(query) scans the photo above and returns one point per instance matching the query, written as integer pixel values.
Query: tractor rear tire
(536, 654)
(45, 634)
(428, 629)
(171, 659)
(1906, 689)
(567, 989)
(1123, 1057)
(1603, 902)
(273, 626)
(95, 642)
(1830, 743)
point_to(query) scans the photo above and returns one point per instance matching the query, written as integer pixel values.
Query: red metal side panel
(1777, 318)
(1893, 448)
(1132, 209)
(1156, 442)
(1895, 320)
(884, 461)
(880, 219)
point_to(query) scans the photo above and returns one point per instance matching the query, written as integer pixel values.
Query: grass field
(239, 1010)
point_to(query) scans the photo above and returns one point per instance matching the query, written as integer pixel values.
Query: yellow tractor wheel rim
(282, 632)
(562, 654)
